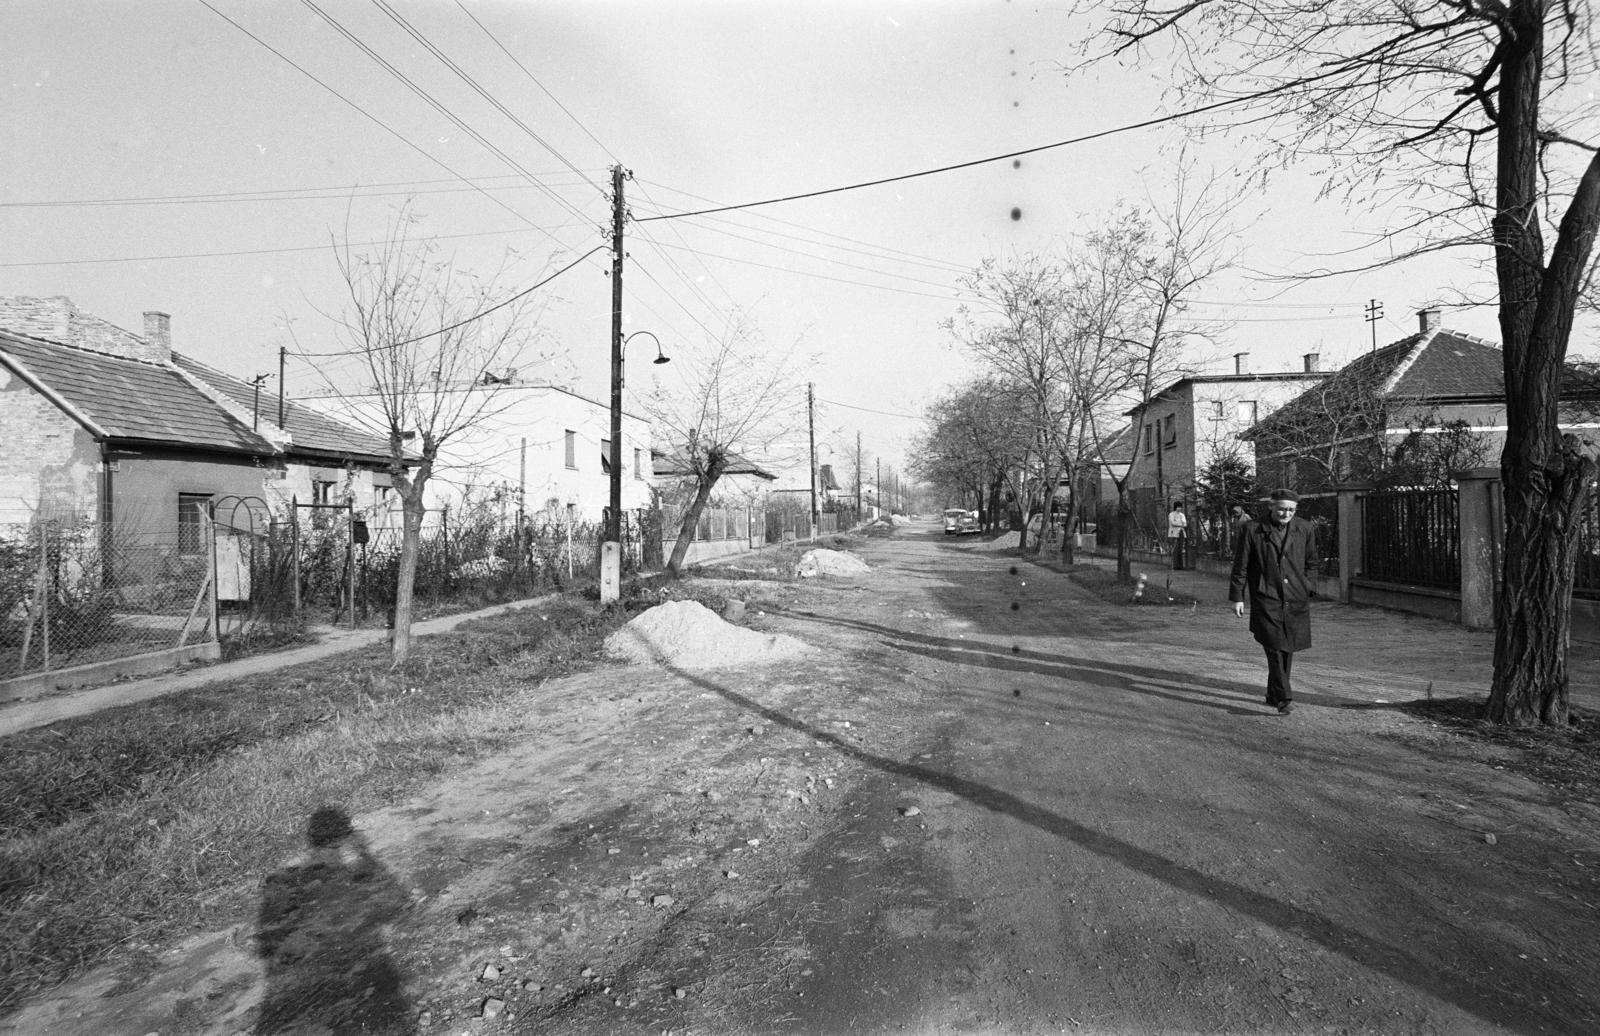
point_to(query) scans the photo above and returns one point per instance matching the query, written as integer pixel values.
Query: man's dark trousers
(1278, 665)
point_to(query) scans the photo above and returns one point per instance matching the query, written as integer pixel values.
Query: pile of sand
(688, 635)
(823, 562)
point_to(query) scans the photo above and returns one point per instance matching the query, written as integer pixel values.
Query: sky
(157, 156)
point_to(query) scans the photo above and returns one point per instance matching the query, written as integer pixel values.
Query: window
(322, 491)
(1217, 408)
(1170, 437)
(1247, 411)
(605, 456)
(638, 464)
(572, 449)
(1149, 440)
(191, 523)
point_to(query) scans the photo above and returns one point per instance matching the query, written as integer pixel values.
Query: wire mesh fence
(72, 593)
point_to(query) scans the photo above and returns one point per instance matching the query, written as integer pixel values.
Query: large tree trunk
(1124, 521)
(1543, 474)
(691, 517)
(1069, 523)
(410, 548)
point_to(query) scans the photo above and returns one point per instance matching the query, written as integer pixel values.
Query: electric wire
(461, 323)
(336, 193)
(954, 293)
(437, 105)
(546, 231)
(1159, 120)
(535, 81)
(494, 102)
(363, 112)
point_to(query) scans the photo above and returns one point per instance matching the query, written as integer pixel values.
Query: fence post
(1350, 535)
(1478, 549)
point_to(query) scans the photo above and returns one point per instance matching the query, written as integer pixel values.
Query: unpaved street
(990, 802)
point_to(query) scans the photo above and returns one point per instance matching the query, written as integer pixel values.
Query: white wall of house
(545, 444)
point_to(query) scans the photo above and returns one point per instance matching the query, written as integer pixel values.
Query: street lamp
(611, 552)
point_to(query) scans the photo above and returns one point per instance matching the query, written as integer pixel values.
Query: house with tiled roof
(1436, 392)
(99, 424)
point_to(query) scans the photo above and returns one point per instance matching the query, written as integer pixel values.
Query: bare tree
(426, 335)
(1140, 275)
(738, 403)
(1481, 115)
(973, 441)
(1015, 327)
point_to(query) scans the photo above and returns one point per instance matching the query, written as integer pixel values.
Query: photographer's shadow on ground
(322, 935)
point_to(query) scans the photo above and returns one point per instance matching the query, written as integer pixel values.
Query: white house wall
(533, 421)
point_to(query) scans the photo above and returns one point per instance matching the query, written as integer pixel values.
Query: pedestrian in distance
(1177, 532)
(1272, 562)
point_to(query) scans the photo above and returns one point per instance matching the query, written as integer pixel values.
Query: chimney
(157, 338)
(1241, 363)
(1313, 361)
(1428, 319)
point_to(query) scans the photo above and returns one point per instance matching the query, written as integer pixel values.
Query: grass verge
(132, 826)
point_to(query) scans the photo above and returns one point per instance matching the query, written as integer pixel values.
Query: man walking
(1271, 565)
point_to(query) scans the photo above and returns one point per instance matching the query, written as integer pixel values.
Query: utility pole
(611, 550)
(283, 351)
(877, 486)
(858, 477)
(811, 436)
(1374, 313)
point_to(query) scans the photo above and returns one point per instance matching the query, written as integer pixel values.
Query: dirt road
(989, 803)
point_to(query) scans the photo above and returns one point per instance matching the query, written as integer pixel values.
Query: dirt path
(991, 803)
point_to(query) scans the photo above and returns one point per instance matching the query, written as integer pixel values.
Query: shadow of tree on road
(1558, 1012)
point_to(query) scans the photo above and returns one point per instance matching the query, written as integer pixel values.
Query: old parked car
(959, 521)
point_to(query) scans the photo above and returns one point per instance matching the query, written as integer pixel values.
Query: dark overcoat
(1276, 584)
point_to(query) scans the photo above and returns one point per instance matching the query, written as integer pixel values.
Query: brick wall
(55, 319)
(50, 465)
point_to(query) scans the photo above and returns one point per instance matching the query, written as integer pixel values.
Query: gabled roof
(826, 479)
(673, 464)
(128, 399)
(1445, 364)
(1435, 364)
(309, 431)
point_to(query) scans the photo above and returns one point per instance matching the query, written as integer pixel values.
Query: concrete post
(1479, 546)
(1350, 514)
(610, 572)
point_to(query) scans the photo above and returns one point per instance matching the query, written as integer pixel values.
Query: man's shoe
(1285, 708)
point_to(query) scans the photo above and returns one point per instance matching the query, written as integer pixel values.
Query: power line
(884, 249)
(462, 323)
(400, 20)
(366, 114)
(371, 190)
(533, 79)
(839, 280)
(1085, 138)
(436, 104)
(869, 410)
(278, 251)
